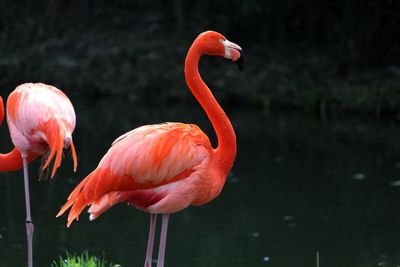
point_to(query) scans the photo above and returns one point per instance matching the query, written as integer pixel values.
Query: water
(299, 186)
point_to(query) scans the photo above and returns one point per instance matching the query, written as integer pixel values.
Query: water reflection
(298, 186)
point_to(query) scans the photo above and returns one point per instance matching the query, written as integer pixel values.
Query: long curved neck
(12, 161)
(226, 150)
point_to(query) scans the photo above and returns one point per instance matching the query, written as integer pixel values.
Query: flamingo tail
(92, 190)
(101, 189)
(77, 201)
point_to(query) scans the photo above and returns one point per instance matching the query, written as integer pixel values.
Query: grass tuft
(83, 260)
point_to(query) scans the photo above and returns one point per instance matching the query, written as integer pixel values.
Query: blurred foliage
(323, 57)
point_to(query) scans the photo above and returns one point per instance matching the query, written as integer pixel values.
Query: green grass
(83, 260)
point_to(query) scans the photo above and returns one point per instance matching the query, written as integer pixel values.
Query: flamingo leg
(29, 224)
(163, 240)
(150, 242)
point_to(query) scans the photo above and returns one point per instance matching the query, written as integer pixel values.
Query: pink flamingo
(41, 120)
(164, 168)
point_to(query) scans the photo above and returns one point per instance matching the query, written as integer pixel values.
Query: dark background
(326, 58)
(316, 114)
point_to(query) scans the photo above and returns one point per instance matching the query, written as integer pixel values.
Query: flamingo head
(215, 44)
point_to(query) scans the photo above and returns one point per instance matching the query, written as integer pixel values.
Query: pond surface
(299, 187)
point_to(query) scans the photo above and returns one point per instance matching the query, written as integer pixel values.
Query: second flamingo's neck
(226, 150)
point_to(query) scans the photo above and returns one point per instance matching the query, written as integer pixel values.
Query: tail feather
(56, 132)
(104, 203)
(55, 138)
(100, 190)
(74, 155)
(86, 193)
(77, 208)
(73, 202)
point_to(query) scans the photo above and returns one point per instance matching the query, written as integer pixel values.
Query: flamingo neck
(12, 161)
(226, 150)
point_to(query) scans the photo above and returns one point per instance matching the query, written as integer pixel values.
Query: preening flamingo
(41, 120)
(164, 168)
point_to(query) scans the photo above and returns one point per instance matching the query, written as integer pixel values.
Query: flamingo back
(143, 167)
(41, 118)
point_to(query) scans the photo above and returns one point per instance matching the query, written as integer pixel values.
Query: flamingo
(164, 168)
(41, 120)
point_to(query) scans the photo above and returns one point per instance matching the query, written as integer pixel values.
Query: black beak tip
(240, 63)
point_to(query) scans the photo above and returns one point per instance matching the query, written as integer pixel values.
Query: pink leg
(29, 224)
(163, 240)
(150, 242)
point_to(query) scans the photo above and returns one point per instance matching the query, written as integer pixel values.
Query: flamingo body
(41, 120)
(41, 117)
(164, 168)
(161, 168)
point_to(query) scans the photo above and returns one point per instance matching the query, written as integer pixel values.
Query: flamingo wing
(142, 167)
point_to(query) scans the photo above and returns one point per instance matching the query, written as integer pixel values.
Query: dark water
(299, 186)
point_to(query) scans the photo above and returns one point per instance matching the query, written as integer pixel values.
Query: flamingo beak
(234, 52)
